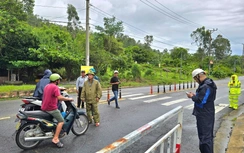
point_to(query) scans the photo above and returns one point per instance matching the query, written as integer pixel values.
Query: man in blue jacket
(42, 83)
(204, 109)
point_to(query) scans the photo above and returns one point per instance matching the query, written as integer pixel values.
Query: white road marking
(157, 99)
(174, 102)
(189, 106)
(220, 107)
(133, 95)
(142, 97)
(4, 118)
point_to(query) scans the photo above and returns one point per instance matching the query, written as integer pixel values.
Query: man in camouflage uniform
(234, 92)
(91, 93)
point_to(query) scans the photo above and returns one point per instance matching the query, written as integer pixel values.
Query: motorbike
(34, 103)
(35, 126)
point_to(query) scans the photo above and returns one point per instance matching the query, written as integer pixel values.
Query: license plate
(17, 126)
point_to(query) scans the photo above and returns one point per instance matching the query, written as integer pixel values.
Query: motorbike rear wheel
(80, 125)
(27, 130)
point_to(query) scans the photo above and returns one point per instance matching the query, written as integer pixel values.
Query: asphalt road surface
(137, 108)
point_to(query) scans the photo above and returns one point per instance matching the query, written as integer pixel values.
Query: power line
(153, 6)
(106, 14)
(49, 6)
(177, 13)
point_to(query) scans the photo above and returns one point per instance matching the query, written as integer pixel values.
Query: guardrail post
(108, 97)
(194, 84)
(158, 87)
(183, 85)
(120, 93)
(169, 87)
(151, 91)
(179, 85)
(187, 86)
(179, 131)
(175, 87)
(191, 84)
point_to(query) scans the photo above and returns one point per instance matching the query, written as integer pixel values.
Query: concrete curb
(224, 133)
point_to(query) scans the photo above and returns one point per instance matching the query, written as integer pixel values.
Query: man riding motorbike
(51, 95)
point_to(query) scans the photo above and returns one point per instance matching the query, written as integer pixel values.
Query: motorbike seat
(39, 114)
(34, 98)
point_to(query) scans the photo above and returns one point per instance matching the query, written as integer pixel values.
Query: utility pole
(210, 49)
(87, 32)
(242, 60)
(180, 63)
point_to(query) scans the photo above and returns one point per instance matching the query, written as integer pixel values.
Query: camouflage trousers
(92, 110)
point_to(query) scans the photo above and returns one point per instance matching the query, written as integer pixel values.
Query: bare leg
(57, 132)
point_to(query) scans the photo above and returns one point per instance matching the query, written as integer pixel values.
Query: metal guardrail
(131, 138)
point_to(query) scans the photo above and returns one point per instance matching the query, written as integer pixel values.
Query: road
(138, 107)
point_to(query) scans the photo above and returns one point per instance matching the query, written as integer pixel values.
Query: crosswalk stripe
(174, 102)
(141, 97)
(157, 99)
(189, 106)
(218, 107)
(133, 95)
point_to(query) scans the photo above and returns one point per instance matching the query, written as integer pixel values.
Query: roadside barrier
(108, 96)
(120, 93)
(158, 88)
(164, 88)
(181, 85)
(131, 138)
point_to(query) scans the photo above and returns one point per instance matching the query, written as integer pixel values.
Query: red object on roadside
(177, 150)
(108, 97)
(151, 90)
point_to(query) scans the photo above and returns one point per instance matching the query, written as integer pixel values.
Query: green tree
(202, 38)
(221, 47)
(73, 20)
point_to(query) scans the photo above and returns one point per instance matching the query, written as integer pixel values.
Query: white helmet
(196, 72)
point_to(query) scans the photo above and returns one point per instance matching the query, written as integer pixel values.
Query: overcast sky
(170, 22)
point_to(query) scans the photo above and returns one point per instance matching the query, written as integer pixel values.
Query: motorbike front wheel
(27, 130)
(80, 125)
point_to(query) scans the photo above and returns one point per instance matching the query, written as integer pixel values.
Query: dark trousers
(205, 127)
(79, 100)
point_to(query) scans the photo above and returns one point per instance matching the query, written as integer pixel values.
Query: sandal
(59, 144)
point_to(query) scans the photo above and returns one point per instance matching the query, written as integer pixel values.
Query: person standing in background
(234, 91)
(79, 85)
(115, 88)
(91, 94)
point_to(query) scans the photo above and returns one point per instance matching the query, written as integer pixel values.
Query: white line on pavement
(220, 107)
(4, 118)
(174, 102)
(189, 106)
(133, 95)
(142, 97)
(157, 99)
